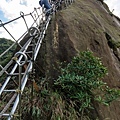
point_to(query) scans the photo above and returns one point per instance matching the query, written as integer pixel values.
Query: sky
(114, 4)
(10, 9)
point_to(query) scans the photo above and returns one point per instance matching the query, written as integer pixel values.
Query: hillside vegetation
(5, 44)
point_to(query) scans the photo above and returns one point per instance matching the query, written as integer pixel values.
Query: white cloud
(11, 10)
(114, 4)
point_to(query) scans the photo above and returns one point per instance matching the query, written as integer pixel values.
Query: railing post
(21, 64)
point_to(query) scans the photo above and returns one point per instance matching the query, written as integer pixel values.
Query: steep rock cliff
(84, 25)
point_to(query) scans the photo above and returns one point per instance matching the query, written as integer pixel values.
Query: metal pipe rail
(18, 73)
(25, 75)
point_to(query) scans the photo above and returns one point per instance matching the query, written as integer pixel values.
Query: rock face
(85, 25)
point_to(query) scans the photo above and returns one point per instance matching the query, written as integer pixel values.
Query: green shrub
(74, 92)
(80, 81)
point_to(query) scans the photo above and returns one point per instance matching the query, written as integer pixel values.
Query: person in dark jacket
(45, 3)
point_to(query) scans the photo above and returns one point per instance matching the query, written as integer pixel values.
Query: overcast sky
(114, 4)
(10, 9)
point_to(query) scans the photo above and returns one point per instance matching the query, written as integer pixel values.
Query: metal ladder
(22, 65)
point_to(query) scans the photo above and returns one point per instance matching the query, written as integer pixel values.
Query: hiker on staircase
(46, 5)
